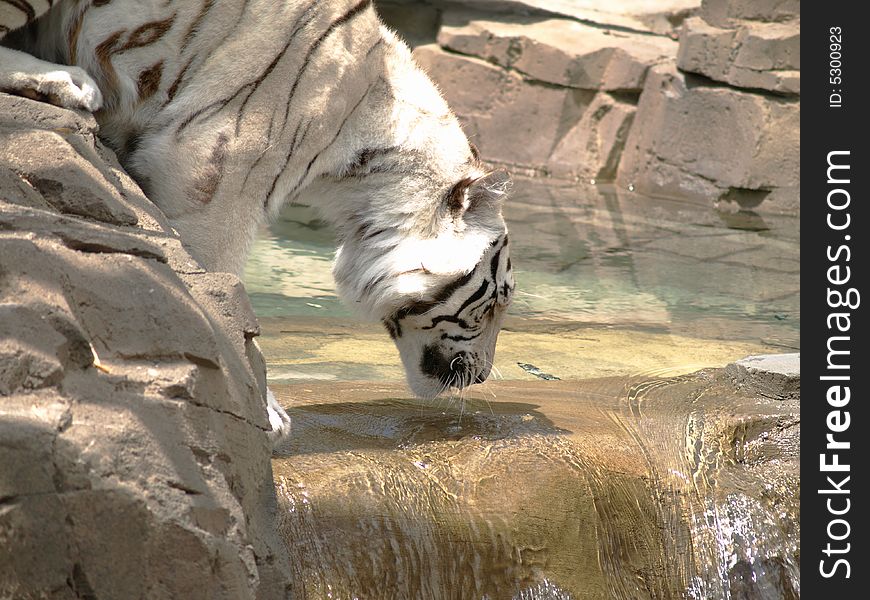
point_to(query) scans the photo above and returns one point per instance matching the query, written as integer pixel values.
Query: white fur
(69, 87)
(279, 420)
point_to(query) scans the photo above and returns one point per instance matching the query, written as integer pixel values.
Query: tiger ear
(486, 191)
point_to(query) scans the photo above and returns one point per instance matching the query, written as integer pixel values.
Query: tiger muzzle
(451, 369)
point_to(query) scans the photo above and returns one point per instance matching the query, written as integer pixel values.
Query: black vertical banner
(835, 368)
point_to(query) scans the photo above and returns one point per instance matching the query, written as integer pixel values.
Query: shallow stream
(604, 459)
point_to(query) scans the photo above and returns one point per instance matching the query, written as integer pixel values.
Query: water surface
(599, 463)
(607, 283)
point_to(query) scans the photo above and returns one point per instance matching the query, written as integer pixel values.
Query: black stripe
(493, 266)
(251, 84)
(272, 66)
(449, 319)
(374, 47)
(474, 297)
(417, 308)
(29, 13)
(358, 8)
(206, 6)
(364, 157)
(175, 84)
(460, 338)
(448, 289)
(393, 327)
(335, 137)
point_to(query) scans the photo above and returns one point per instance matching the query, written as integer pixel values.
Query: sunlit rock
(133, 452)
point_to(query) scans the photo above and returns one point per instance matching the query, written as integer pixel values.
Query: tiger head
(442, 295)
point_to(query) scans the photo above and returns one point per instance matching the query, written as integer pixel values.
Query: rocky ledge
(132, 427)
(680, 98)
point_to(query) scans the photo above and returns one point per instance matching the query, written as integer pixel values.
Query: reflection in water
(587, 254)
(597, 468)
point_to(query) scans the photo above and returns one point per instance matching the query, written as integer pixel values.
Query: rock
(132, 421)
(647, 485)
(754, 55)
(558, 51)
(627, 15)
(417, 23)
(592, 148)
(542, 128)
(694, 139)
(771, 375)
(63, 178)
(512, 121)
(721, 13)
(725, 128)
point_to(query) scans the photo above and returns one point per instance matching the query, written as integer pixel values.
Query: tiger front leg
(279, 420)
(68, 87)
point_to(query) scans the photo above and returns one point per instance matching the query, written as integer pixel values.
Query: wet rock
(558, 51)
(625, 487)
(753, 55)
(694, 138)
(771, 375)
(132, 423)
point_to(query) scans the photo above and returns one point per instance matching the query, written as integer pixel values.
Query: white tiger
(225, 111)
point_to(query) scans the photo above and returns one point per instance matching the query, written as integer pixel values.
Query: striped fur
(225, 111)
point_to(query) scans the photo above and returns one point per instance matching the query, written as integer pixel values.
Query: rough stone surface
(559, 51)
(733, 73)
(694, 139)
(660, 17)
(771, 375)
(527, 125)
(418, 23)
(514, 121)
(723, 13)
(753, 55)
(593, 147)
(133, 456)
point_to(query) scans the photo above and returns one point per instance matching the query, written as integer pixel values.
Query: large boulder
(550, 96)
(691, 138)
(558, 51)
(604, 93)
(764, 56)
(134, 460)
(512, 121)
(660, 17)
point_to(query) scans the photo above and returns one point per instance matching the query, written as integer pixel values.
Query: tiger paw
(279, 420)
(61, 85)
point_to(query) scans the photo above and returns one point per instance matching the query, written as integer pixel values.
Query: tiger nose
(460, 371)
(482, 375)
